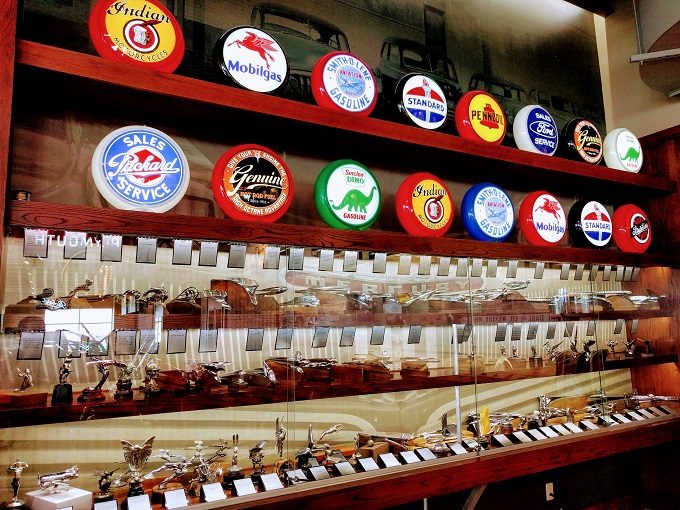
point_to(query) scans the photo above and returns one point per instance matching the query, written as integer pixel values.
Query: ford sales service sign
(535, 130)
(140, 168)
(342, 81)
(252, 59)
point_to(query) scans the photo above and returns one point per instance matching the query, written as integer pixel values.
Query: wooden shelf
(60, 217)
(223, 397)
(88, 67)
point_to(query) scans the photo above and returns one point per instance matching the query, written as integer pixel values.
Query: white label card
(212, 492)
(409, 457)
(344, 468)
(669, 410)
(177, 341)
(549, 432)
(30, 345)
(244, 486)
(444, 266)
(425, 265)
(425, 454)
(112, 248)
(139, 502)
(522, 437)
(75, 245)
(389, 460)
(572, 427)
(656, 411)
(349, 263)
(181, 252)
(326, 258)
(502, 440)
(176, 499)
(635, 416)
(404, 267)
(380, 262)
(272, 256)
(126, 342)
(536, 434)
(562, 430)
(589, 425)
(270, 482)
(35, 243)
(296, 259)
(207, 253)
(146, 250)
(237, 256)
(458, 448)
(107, 505)
(645, 413)
(621, 418)
(368, 464)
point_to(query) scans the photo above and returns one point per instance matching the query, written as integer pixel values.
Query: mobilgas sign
(140, 168)
(252, 59)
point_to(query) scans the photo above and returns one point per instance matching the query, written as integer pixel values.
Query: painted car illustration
(304, 39)
(561, 108)
(399, 57)
(510, 95)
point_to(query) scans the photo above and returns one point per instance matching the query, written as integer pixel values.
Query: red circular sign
(343, 82)
(252, 183)
(542, 219)
(480, 117)
(140, 32)
(631, 229)
(424, 205)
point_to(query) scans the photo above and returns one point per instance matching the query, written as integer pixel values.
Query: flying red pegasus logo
(258, 44)
(550, 207)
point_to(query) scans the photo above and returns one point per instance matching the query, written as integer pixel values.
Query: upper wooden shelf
(62, 217)
(490, 157)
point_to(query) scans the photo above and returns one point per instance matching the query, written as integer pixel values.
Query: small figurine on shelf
(17, 468)
(514, 350)
(151, 372)
(648, 349)
(551, 350)
(177, 464)
(502, 361)
(104, 483)
(26, 380)
(55, 483)
(256, 456)
(630, 348)
(208, 469)
(234, 472)
(612, 346)
(136, 457)
(93, 394)
(535, 361)
(63, 391)
(280, 434)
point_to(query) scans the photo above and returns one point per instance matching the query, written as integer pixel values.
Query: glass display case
(294, 349)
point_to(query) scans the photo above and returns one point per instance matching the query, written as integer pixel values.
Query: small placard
(501, 440)
(590, 331)
(237, 256)
(561, 430)
(512, 269)
(404, 267)
(175, 499)
(619, 273)
(516, 334)
(645, 413)
(139, 502)
(214, 492)
(207, 253)
(462, 267)
(296, 259)
(319, 473)
(320, 337)
(126, 342)
(379, 262)
(367, 464)
(112, 248)
(296, 475)
(347, 336)
(284, 338)
(177, 341)
(207, 340)
(99, 347)
(606, 273)
(457, 448)
(35, 243)
(635, 274)
(621, 418)
(75, 245)
(550, 332)
(635, 416)
(349, 261)
(578, 272)
(607, 420)
(244, 487)
(444, 266)
(568, 328)
(656, 411)
(107, 505)
(414, 333)
(377, 335)
(424, 265)
(564, 272)
(522, 437)
(536, 434)
(476, 269)
(408, 457)
(69, 339)
(463, 332)
(618, 326)
(587, 425)
(501, 330)
(491, 268)
(388, 460)
(425, 454)
(148, 343)
(146, 250)
(182, 252)
(255, 339)
(326, 258)
(272, 257)
(30, 345)
(270, 482)
(593, 272)
(472, 444)
(549, 432)
(538, 271)
(344, 468)
(572, 427)
(532, 331)
(634, 326)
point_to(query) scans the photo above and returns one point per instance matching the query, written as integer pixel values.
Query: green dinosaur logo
(355, 200)
(631, 155)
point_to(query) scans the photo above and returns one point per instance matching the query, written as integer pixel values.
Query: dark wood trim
(601, 7)
(61, 217)
(97, 69)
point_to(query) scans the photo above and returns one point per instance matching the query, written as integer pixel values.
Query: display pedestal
(375, 450)
(62, 394)
(76, 498)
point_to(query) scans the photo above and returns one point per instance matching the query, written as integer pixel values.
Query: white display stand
(78, 499)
